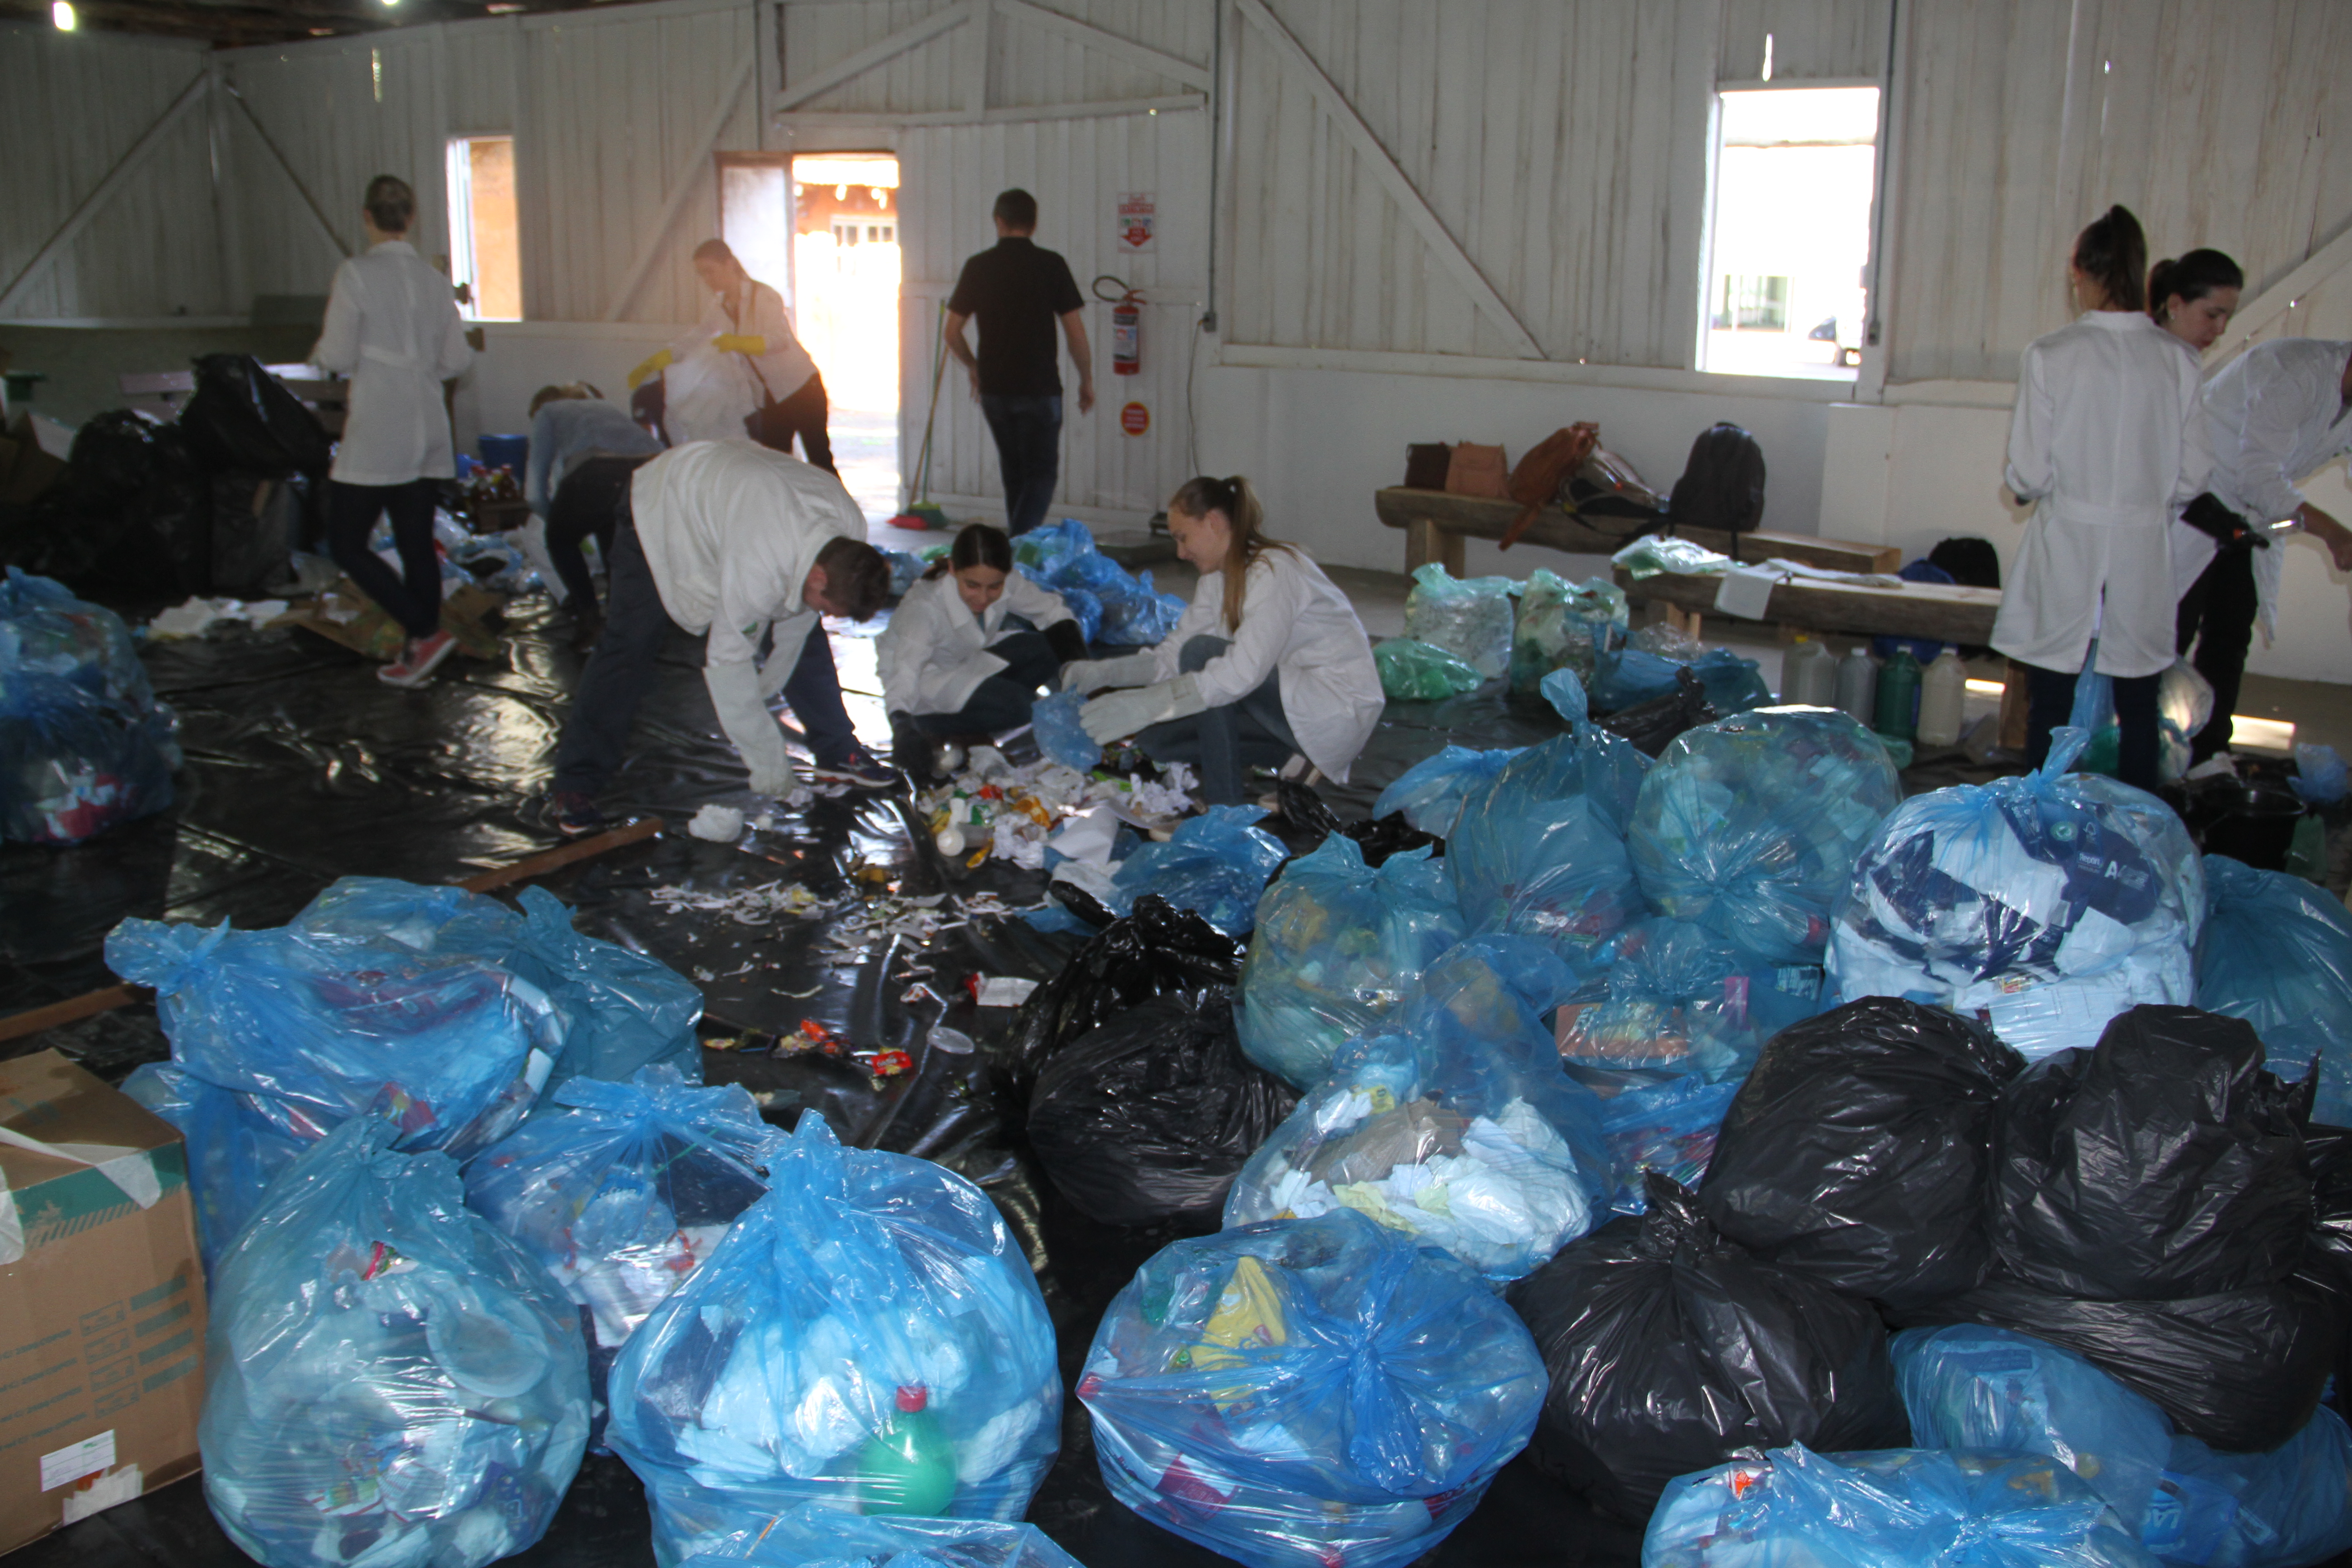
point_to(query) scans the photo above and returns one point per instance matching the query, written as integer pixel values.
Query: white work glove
(1108, 718)
(1093, 674)
(759, 739)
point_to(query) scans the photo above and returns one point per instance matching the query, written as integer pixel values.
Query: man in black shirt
(1017, 290)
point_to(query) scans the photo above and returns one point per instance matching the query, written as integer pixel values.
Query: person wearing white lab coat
(2280, 412)
(967, 648)
(2108, 439)
(736, 544)
(761, 377)
(1269, 664)
(392, 326)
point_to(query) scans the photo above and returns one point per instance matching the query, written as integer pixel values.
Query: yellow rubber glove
(739, 343)
(651, 368)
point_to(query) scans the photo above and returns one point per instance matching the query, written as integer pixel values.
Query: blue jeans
(1028, 432)
(621, 669)
(1224, 743)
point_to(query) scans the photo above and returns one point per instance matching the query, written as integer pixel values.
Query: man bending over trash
(728, 539)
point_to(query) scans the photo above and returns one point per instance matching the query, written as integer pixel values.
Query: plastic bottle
(1897, 708)
(1943, 692)
(1809, 674)
(910, 1466)
(1857, 686)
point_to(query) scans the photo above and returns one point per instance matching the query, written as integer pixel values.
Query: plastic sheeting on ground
(1671, 1349)
(84, 745)
(1859, 1152)
(2050, 903)
(866, 1336)
(1750, 825)
(1316, 1390)
(1904, 1508)
(391, 1381)
(1337, 947)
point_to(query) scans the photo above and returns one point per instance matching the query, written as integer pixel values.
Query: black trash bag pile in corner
(1154, 951)
(1859, 1152)
(1670, 1349)
(1149, 1116)
(2154, 1214)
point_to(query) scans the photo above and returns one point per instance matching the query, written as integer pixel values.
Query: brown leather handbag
(1546, 467)
(1477, 470)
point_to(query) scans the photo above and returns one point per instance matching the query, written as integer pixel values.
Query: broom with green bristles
(922, 516)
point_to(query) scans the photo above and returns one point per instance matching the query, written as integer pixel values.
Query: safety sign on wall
(1134, 419)
(1139, 215)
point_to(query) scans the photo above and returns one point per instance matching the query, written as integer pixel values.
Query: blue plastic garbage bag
(2047, 904)
(1338, 946)
(1733, 684)
(1540, 850)
(1139, 614)
(622, 1190)
(391, 1381)
(622, 1010)
(1895, 1507)
(1472, 618)
(2286, 1508)
(1623, 676)
(1215, 865)
(867, 1337)
(1431, 791)
(292, 1031)
(1461, 1133)
(1060, 735)
(1047, 549)
(814, 1536)
(83, 743)
(1667, 1125)
(1309, 1391)
(1677, 997)
(1971, 1387)
(2319, 775)
(1751, 825)
(2277, 952)
(906, 571)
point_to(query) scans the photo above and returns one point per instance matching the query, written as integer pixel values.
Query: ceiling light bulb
(61, 12)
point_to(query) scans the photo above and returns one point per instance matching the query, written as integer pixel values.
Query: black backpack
(1722, 486)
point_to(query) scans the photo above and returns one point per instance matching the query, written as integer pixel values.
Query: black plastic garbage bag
(113, 457)
(1670, 1349)
(1859, 1152)
(242, 419)
(2242, 1370)
(2163, 1162)
(1150, 1117)
(1157, 950)
(1652, 726)
(1378, 837)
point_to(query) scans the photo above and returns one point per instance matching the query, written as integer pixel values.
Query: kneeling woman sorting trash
(967, 648)
(1268, 665)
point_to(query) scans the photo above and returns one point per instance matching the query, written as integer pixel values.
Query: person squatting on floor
(734, 541)
(1268, 665)
(392, 326)
(967, 649)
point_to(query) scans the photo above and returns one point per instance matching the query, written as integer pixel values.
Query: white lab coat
(2278, 416)
(392, 326)
(784, 369)
(2109, 437)
(1293, 620)
(934, 653)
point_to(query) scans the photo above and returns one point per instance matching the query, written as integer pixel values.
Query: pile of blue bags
(1308, 1391)
(1215, 863)
(1113, 606)
(83, 743)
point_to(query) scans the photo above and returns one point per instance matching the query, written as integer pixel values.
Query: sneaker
(586, 627)
(857, 770)
(573, 814)
(421, 659)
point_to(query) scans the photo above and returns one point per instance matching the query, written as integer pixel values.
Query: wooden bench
(1931, 611)
(1435, 523)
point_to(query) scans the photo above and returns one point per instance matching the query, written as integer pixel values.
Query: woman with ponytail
(2109, 441)
(2194, 296)
(967, 649)
(1269, 664)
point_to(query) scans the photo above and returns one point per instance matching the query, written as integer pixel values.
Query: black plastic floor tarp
(302, 767)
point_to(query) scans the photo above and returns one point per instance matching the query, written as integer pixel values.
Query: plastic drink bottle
(1897, 708)
(909, 1468)
(1809, 674)
(1857, 686)
(1943, 690)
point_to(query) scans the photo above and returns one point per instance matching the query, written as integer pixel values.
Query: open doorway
(823, 230)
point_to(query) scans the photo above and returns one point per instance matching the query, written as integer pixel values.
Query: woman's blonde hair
(1234, 497)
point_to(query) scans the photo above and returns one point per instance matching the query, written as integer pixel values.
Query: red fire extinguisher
(1125, 325)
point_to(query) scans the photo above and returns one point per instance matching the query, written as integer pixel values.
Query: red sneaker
(421, 658)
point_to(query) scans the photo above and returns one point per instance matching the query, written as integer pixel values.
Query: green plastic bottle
(1898, 697)
(910, 1466)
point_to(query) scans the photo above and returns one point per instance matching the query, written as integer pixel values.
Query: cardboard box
(101, 1299)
